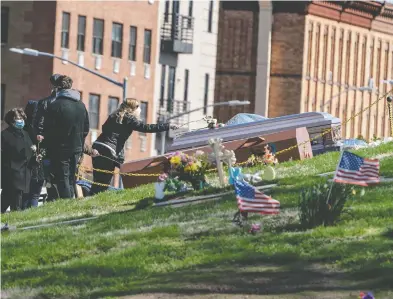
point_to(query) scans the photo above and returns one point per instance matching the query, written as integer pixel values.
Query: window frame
(94, 113)
(132, 48)
(81, 37)
(110, 98)
(117, 41)
(210, 18)
(100, 50)
(65, 32)
(144, 119)
(206, 93)
(147, 47)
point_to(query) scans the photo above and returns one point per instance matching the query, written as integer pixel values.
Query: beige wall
(352, 55)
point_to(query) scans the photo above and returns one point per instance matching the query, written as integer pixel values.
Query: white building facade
(186, 66)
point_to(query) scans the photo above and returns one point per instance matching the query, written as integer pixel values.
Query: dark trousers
(102, 177)
(64, 170)
(11, 197)
(31, 199)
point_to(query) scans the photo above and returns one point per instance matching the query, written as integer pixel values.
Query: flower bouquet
(185, 168)
(268, 158)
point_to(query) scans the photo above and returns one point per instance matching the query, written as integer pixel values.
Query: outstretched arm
(140, 126)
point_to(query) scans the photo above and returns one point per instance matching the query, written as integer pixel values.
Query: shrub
(315, 211)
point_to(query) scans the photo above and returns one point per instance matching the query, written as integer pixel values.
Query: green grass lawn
(133, 248)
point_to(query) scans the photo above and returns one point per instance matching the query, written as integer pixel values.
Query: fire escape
(177, 33)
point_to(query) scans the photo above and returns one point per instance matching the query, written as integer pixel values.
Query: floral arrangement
(185, 168)
(363, 295)
(267, 159)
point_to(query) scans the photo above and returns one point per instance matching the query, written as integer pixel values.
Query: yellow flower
(354, 192)
(175, 160)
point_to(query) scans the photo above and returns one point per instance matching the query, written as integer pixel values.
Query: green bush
(314, 208)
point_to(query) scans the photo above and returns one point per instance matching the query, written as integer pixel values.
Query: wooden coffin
(243, 148)
(315, 122)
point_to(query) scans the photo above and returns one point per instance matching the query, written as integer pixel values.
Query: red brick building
(294, 57)
(116, 39)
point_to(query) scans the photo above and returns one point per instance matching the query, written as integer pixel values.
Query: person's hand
(40, 138)
(174, 127)
(95, 153)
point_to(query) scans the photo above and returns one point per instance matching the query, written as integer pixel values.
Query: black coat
(66, 124)
(37, 172)
(42, 107)
(115, 134)
(16, 156)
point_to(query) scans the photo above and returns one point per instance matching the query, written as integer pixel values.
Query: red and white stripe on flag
(262, 204)
(368, 173)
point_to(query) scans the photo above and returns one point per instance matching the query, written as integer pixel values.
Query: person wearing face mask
(115, 132)
(16, 157)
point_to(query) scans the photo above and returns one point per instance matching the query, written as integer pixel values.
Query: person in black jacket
(43, 106)
(66, 125)
(38, 125)
(115, 132)
(16, 154)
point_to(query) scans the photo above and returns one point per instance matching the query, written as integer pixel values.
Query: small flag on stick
(356, 170)
(250, 200)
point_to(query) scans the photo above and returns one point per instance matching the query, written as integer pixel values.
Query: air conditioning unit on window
(98, 62)
(133, 68)
(81, 59)
(116, 66)
(147, 71)
(64, 55)
(143, 143)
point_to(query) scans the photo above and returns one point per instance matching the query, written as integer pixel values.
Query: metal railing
(177, 27)
(170, 107)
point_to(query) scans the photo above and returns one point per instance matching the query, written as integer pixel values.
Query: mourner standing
(66, 125)
(16, 154)
(115, 131)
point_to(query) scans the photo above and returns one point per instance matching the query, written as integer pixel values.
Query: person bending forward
(115, 132)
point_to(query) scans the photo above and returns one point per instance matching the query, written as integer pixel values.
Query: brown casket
(243, 148)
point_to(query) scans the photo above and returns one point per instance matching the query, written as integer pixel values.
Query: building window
(166, 13)
(143, 115)
(147, 47)
(190, 8)
(162, 88)
(133, 38)
(210, 20)
(98, 36)
(65, 30)
(171, 88)
(113, 103)
(117, 39)
(4, 24)
(81, 33)
(206, 95)
(186, 78)
(2, 100)
(94, 111)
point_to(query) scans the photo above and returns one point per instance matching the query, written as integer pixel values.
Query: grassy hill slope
(133, 248)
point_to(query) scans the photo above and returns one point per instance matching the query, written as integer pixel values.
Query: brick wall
(31, 25)
(236, 58)
(286, 63)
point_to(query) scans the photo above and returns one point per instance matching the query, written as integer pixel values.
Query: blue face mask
(19, 124)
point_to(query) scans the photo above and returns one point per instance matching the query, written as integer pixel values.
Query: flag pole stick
(335, 172)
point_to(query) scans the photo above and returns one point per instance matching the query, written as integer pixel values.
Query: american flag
(249, 199)
(356, 170)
